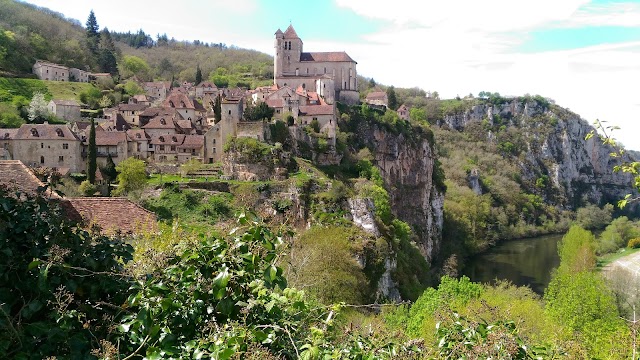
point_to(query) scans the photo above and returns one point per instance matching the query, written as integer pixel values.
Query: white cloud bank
(461, 47)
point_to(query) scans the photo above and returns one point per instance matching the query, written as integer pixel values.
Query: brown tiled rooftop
(317, 110)
(333, 56)
(45, 131)
(15, 176)
(110, 138)
(111, 214)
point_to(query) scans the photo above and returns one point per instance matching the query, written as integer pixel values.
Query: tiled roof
(377, 95)
(45, 132)
(176, 139)
(132, 107)
(290, 33)
(184, 124)
(17, 177)
(317, 110)
(333, 56)
(138, 135)
(192, 142)
(207, 84)
(8, 133)
(274, 103)
(160, 122)
(278, 32)
(110, 138)
(111, 214)
(178, 100)
(83, 125)
(65, 102)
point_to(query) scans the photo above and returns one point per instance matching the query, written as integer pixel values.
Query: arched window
(163, 121)
(161, 138)
(59, 132)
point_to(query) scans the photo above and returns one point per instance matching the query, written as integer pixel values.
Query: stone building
(403, 112)
(65, 109)
(45, 145)
(46, 70)
(293, 67)
(217, 135)
(78, 75)
(114, 143)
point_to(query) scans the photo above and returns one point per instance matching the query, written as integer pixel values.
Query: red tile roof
(290, 33)
(334, 56)
(45, 132)
(377, 95)
(138, 135)
(176, 139)
(112, 215)
(178, 100)
(8, 133)
(316, 110)
(110, 138)
(160, 122)
(132, 107)
(15, 176)
(192, 142)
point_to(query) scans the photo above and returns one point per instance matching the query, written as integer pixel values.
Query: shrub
(87, 188)
(634, 243)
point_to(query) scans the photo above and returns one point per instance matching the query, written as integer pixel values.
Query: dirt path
(630, 263)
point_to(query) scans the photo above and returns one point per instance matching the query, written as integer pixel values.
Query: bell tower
(279, 55)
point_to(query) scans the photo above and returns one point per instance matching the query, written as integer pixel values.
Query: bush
(87, 188)
(634, 243)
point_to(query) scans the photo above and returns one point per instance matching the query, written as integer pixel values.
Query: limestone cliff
(409, 168)
(552, 143)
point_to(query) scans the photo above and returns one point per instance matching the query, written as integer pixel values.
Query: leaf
(222, 279)
(34, 264)
(270, 273)
(124, 327)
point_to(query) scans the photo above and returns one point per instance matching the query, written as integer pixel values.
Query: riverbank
(628, 259)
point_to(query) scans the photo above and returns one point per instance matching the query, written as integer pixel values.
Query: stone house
(165, 147)
(161, 125)
(78, 75)
(65, 109)
(403, 112)
(182, 104)
(6, 143)
(217, 135)
(131, 112)
(377, 98)
(139, 144)
(206, 87)
(51, 146)
(294, 68)
(46, 70)
(114, 143)
(192, 147)
(157, 89)
(140, 99)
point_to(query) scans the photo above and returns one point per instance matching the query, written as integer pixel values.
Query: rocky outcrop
(407, 164)
(554, 145)
(362, 213)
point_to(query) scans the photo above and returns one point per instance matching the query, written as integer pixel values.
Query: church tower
(290, 50)
(279, 55)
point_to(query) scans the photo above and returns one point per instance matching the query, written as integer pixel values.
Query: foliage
(109, 171)
(38, 110)
(54, 282)
(87, 188)
(321, 262)
(92, 164)
(392, 99)
(592, 217)
(248, 149)
(135, 66)
(634, 243)
(616, 235)
(132, 88)
(190, 206)
(132, 176)
(261, 111)
(577, 251)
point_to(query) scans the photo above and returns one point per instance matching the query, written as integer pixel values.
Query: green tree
(92, 164)
(135, 66)
(217, 109)
(617, 235)
(392, 99)
(107, 53)
(93, 35)
(198, 74)
(262, 111)
(577, 251)
(109, 170)
(132, 176)
(418, 115)
(592, 217)
(87, 188)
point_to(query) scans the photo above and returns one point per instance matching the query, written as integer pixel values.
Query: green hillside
(10, 88)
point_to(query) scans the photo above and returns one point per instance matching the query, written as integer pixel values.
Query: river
(524, 262)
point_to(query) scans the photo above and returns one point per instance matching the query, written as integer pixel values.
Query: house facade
(45, 145)
(65, 109)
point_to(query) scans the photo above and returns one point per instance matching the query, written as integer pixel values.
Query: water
(523, 262)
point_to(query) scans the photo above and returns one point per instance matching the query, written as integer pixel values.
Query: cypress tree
(198, 75)
(217, 109)
(391, 97)
(107, 53)
(92, 165)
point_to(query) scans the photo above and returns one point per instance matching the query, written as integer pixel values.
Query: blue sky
(584, 54)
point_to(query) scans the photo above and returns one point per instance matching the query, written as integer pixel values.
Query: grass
(607, 259)
(12, 87)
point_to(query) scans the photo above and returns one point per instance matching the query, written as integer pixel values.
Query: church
(331, 74)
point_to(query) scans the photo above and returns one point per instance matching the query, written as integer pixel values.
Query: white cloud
(616, 14)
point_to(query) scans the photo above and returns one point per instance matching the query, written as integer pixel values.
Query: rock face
(363, 215)
(407, 166)
(580, 170)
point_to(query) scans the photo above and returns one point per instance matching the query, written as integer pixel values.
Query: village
(175, 125)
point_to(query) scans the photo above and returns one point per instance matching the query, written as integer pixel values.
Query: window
(214, 141)
(161, 147)
(60, 158)
(41, 159)
(41, 145)
(307, 70)
(325, 70)
(214, 150)
(229, 112)
(173, 148)
(65, 146)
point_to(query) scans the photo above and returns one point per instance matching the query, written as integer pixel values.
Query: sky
(584, 54)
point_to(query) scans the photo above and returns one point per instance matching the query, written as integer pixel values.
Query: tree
(262, 111)
(418, 115)
(217, 109)
(109, 171)
(93, 36)
(107, 53)
(38, 110)
(392, 99)
(592, 217)
(92, 164)
(135, 66)
(577, 251)
(132, 176)
(198, 74)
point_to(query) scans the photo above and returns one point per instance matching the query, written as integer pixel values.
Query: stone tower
(288, 48)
